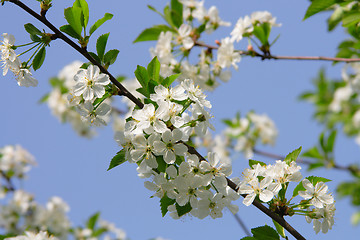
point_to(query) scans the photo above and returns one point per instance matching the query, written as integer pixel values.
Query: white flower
(33, 236)
(264, 16)
(170, 147)
(184, 36)
(163, 48)
(323, 218)
(6, 50)
(210, 204)
(318, 195)
(195, 93)
(90, 83)
(148, 119)
(226, 55)
(16, 160)
(144, 148)
(68, 73)
(214, 20)
(94, 116)
(341, 95)
(24, 77)
(165, 94)
(255, 188)
(242, 26)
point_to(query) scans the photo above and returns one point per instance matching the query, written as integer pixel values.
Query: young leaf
(331, 141)
(170, 79)
(314, 180)
(162, 165)
(110, 56)
(92, 221)
(351, 19)
(152, 34)
(85, 11)
(165, 202)
(254, 162)
(176, 13)
(260, 34)
(280, 229)
(94, 56)
(291, 157)
(39, 58)
(298, 188)
(70, 31)
(265, 233)
(73, 17)
(154, 69)
(101, 45)
(313, 153)
(100, 22)
(32, 29)
(118, 159)
(153, 9)
(318, 6)
(182, 210)
(142, 76)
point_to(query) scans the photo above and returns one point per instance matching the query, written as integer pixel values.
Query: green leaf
(254, 162)
(162, 165)
(176, 13)
(44, 98)
(314, 180)
(167, 16)
(291, 157)
(73, 17)
(111, 56)
(313, 153)
(265, 233)
(248, 238)
(70, 31)
(82, 4)
(39, 58)
(260, 34)
(182, 210)
(169, 80)
(92, 221)
(331, 141)
(144, 92)
(335, 18)
(94, 56)
(154, 69)
(142, 76)
(298, 188)
(153, 9)
(100, 22)
(355, 218)
(317, 6)
(165, 202)
(101, 45)
(280, 229)
(32, 29)
(118, 159)
(152, 34)
(350, 19)
(315, 165)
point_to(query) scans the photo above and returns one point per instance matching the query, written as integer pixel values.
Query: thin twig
(269, 56)
(10, 185)
(242, 224)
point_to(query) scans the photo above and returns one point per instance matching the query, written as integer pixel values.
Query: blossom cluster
(10, 61)
(270, 182)
(15, 161)
(249, 130)
(208, 69)
(156, 138)
(73, 93)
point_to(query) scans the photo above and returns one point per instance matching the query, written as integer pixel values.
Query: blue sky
(75, 168)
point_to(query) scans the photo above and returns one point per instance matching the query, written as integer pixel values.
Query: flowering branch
(10, 186)
(58, 34)
(264, 56)
(351, 168)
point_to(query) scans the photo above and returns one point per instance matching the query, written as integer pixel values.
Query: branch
(269, 56)
(124, 92)
(351, 168)
(58, 34)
